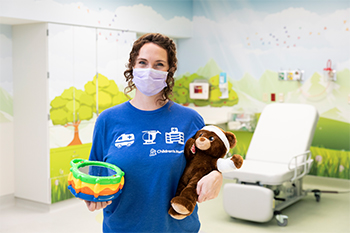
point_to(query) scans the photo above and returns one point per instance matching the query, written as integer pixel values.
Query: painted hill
(269, 83)
(209, 70)
(6, 106)
(336, 114)
(247, 103)
(248, 85)
(6, 101)
(343, 78)
(330, 98)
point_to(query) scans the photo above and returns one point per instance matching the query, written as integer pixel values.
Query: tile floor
(331, 214)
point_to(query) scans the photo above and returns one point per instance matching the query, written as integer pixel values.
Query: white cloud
(139, 18)
(342, 65)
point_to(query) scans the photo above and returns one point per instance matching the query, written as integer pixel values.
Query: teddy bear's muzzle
(203, 143)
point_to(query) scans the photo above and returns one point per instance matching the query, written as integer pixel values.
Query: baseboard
(336, 183)
(7, 201)
(33, 205)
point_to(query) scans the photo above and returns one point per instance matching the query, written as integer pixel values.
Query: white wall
(6, 159)
(31, 145)
(6, 117)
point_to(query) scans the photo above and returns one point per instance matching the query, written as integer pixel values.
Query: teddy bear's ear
(231, 139)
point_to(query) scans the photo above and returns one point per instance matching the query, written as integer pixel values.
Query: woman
(157, 130)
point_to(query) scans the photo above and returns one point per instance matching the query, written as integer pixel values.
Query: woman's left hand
(209, 186)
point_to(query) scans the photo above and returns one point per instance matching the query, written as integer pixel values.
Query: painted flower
(341, 168)
(57, 182)
(318, 158)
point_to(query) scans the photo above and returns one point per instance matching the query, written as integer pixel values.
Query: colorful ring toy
(94, 188)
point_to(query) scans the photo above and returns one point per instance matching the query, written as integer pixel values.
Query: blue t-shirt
(149, 147)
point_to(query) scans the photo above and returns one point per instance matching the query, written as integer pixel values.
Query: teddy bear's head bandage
(220, 134)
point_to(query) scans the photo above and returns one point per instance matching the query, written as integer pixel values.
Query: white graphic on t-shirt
(124, 140)
(149, 136)
(174, 136)
(154, 152)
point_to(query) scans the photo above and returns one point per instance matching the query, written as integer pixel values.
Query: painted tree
(70, 108)
(74, 105)
(108, 93)
(215, 94)
(181, 93)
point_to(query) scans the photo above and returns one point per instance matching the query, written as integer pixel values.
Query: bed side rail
(306, 164)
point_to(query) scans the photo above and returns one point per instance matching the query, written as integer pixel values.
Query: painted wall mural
(253, 41)
(6, 111)
(6, 83)
(86, 77)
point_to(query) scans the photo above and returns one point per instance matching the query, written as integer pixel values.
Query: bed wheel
(282, 220)
(317, 196)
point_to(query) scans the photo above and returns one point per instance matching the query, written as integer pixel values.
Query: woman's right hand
(92, 206)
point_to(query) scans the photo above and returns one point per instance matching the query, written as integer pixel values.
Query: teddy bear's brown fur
(202, 153)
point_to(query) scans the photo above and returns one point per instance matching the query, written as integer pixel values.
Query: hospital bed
(277, 159)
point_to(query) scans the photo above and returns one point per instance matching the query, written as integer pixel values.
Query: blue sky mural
(173, 18)
(214, 9)
(167, 8)
(248, 36)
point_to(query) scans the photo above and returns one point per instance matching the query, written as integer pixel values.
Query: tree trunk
(76, 139)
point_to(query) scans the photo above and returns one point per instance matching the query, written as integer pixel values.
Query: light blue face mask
(149, 81)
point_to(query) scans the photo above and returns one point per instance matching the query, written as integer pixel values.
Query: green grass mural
(60, 168)
(59, 189)
(330, 163)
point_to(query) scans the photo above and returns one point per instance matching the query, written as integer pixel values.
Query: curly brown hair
(165, 43)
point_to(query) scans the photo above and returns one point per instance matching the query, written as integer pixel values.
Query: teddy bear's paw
(176, 215)
(182, 205)
(180, 208)
(238, 160)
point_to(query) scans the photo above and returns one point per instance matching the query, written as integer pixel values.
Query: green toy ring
(102, 180)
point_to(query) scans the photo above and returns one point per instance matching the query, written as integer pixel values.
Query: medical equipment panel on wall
(223, 85)
(199, 89)
(291, 75)
(329, 74)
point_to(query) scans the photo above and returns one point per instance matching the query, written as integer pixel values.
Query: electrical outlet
(280, 97)
(265, 97)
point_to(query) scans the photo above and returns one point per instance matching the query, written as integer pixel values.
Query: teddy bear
(204, 153)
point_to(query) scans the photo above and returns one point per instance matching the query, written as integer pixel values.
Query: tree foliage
(75, 105)
(108, 93)
(72, 105)
(181, 92)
